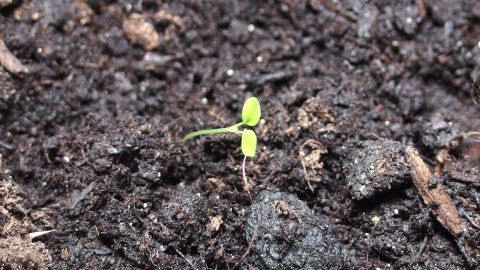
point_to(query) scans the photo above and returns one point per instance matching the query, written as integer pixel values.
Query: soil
(90, 134)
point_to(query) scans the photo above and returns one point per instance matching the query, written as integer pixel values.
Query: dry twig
(441, 205)
(436, 198)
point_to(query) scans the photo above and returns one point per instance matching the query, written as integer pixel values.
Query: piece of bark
(9, 61)
(435, 197)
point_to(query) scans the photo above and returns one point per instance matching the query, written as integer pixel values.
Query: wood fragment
(436, 198)
(9, 61)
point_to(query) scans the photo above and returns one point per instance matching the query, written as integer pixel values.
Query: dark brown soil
(90, 135)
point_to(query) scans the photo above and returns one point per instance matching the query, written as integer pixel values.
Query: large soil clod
(284, 234)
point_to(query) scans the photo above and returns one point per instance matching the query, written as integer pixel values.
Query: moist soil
(90, 135)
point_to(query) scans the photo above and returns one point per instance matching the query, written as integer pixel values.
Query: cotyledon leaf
(249, 143)
(251, 112)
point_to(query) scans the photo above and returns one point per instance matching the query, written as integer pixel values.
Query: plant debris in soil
(95, 97)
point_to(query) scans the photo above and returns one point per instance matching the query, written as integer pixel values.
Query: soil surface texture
(95, 96)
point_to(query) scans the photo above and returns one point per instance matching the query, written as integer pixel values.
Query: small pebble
(204, 100)
(230, 72)
(259, 59)
(251, 28)
(36, 16)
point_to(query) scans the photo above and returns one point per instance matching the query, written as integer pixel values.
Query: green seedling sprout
(251, 113)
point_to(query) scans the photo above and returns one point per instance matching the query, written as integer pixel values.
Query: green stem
(231, 129)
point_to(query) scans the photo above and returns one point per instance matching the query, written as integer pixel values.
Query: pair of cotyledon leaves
(251, 113)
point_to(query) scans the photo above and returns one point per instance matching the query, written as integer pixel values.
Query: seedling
(250, 117)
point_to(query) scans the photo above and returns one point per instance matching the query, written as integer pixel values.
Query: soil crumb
(378, 166)
(284, 234)
(23, 254)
